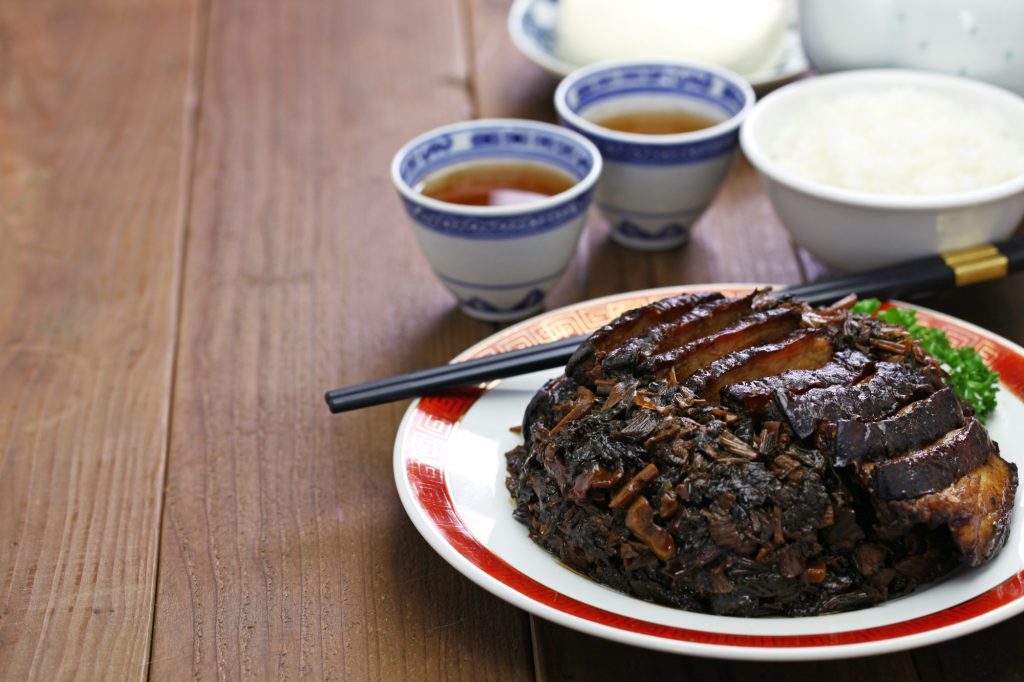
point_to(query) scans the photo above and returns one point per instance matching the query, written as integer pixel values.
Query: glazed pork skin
(755, 396)
(931, 468)
(852, 441)
(976, 508)
(627, 327)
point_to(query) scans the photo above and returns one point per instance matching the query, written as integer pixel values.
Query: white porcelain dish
(532, 25)
(449, 468)
(852, 230)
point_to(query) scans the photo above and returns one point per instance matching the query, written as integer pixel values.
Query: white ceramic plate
(450, 471)
(532, 24)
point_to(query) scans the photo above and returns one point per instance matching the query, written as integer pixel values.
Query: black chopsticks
(917, 277)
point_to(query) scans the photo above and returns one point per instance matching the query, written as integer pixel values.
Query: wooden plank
(285, 549)
(561, 654)
(92, 142)
(992, 654)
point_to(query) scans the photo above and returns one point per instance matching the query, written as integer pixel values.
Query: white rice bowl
(874, 167)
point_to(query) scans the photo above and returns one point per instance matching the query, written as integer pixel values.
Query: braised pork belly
(754, 456)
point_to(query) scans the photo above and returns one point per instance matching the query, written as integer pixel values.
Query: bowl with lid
(868, 168)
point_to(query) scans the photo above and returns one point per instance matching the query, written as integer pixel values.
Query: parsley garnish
(968, 375)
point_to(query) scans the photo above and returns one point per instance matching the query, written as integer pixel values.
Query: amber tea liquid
(499, 183)
(656, 122)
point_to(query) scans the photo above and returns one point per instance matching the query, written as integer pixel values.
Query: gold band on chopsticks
(977, 264)
(971, 253)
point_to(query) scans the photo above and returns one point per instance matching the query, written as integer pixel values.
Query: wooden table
(198, 236)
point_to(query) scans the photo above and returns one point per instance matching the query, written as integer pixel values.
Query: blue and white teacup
(499, 261)
(655, 186)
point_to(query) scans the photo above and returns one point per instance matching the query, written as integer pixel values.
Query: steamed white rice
(898, 141)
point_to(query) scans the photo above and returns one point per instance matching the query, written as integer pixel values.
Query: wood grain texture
(285, 551)
(564, 654)
(92, 142)
(991, 655)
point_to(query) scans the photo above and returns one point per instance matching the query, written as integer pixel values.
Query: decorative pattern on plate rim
(434, 419)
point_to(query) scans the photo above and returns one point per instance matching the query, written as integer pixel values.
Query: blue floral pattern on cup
(670, 231)
(532, 299)
(658, 155)
(498, 227)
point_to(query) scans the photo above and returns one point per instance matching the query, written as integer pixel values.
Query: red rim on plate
(430, 423)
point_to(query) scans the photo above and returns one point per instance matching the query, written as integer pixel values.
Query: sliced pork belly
(629, 325)
(754, 330)
(890, 387)
(801, 350)
(976, 508)
(931, 468)
(755, 457)
(702, 321)
(698, 323)
(755, 396)
(852, 441)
